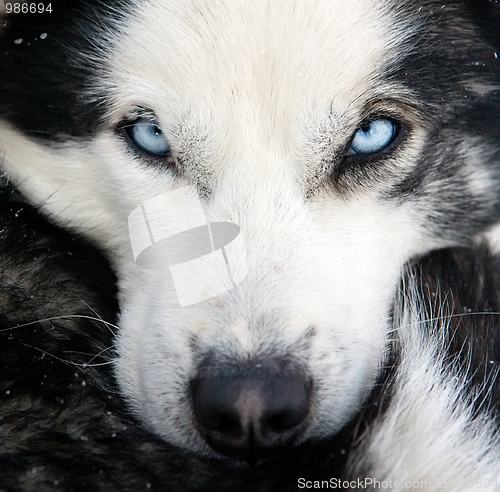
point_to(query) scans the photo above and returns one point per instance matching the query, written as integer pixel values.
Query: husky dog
(343, 139)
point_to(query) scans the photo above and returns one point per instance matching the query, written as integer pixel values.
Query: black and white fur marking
(259, 104)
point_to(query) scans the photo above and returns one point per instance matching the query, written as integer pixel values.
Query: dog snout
(251, 414)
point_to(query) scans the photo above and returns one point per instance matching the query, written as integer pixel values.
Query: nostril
(282, 421)
(287, 403)
(241, 412)
(215, 415)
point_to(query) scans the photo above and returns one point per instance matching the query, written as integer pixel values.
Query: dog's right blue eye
(148, 137)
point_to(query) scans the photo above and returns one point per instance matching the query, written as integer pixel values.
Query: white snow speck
(43, 35)
(18, 41)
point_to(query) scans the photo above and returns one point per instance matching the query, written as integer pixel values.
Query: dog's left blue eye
(148, 137)
(374, 137)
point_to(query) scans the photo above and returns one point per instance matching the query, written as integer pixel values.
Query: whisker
(70, 362)
(66, 316)
(108, 325)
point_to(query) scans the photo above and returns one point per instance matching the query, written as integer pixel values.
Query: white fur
(431, 437)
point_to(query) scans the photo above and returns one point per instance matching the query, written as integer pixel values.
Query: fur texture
(260, 105)
(63, 424)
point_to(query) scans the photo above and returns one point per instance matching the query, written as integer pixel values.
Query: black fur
(455, 50)
(462, 290)
(44, 98)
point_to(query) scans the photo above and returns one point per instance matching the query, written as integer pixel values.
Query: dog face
(331, 133)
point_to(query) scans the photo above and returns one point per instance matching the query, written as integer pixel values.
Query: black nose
(251, 414)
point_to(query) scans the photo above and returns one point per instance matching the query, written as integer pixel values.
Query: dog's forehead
(275, 52)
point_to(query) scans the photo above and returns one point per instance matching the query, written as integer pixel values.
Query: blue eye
(148, 137)
(374, 136)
